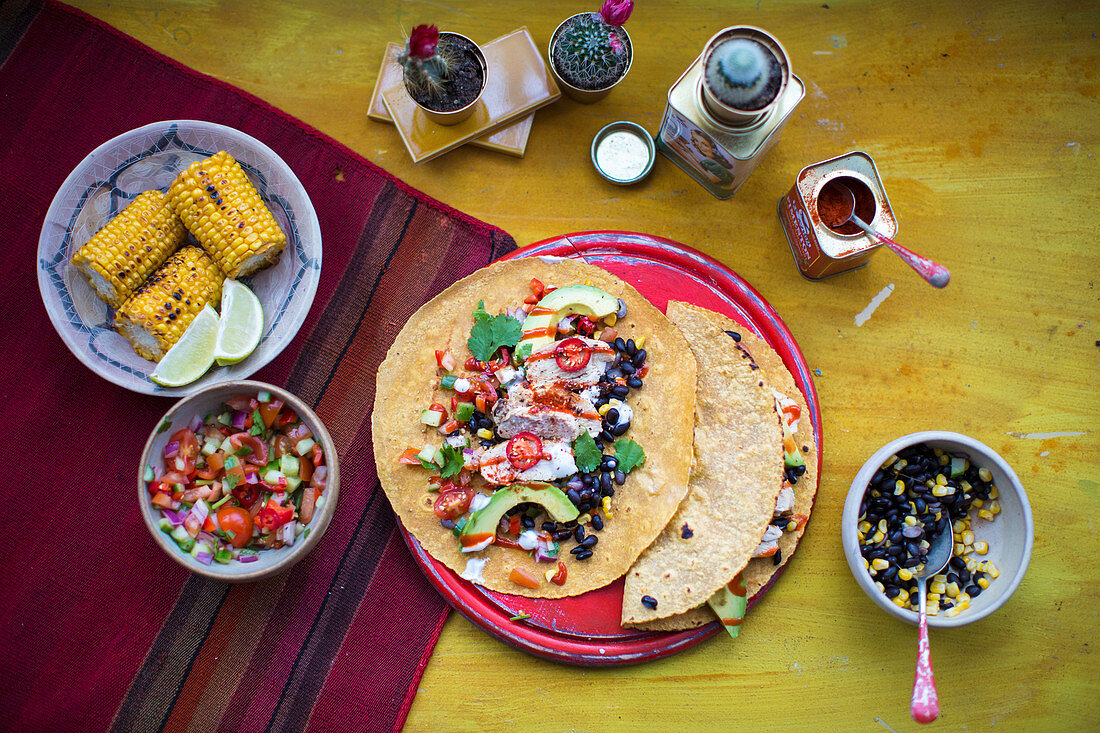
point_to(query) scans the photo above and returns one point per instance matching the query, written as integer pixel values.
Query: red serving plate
(585, 629)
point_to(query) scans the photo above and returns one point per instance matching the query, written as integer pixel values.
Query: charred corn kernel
(977, 503)
(995, 507)
(159, 311)
(982, 581)
(984, 474)
(221, 207)
(938, 586)
(607, 507)
(939, 490)
(962, 598)
(993, 493)
(864, 526)
(640, 341)
(968, 538)
(904, 574)
(611, 319)
(953, 590)
(603, 409)
(485, 433)
(911, 521)
(879, 537)
(879, 564)
(124, 253)
(981, 547)
(941, 479)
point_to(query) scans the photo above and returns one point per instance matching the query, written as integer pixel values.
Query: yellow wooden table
(983, 120)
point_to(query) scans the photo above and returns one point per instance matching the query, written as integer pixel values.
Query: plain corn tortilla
(734, 482)
(408, 381)
(759, 572)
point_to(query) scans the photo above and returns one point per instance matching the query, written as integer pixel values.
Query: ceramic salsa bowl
(209, 400)
(1009, 535)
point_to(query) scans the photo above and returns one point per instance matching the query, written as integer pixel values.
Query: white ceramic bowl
(1009, 535)
(204, 402)
(107, 180)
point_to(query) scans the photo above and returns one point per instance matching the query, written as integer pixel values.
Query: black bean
(527, 522)
(586, 495)
(631, 348)
(627, 369)
(612, 416)
(895, 550)
(610, 491)
(573, 496)
(588, 480)
(578, 533)
(584, 554)
(634, 382)
(620, 344)
(597, 522)
(639, 358)
(895, 536)
(550, 527)
(920, 505)
(892, 592)
(562, 535)
(620, 478)
(605, 481)
(609, 463)
(613, 374)
(973, 590)
(590, 541)
(577, 549)
(912, 562)
(649, 602)
(447, 523)
(620, 390)
(606, 437)
(620, 428)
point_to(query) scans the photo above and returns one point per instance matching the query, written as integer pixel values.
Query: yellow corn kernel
(930, 484)
(603, 409)
(958, 526)
(991, 569)
(607, 507)
(889, 461)
(993, 493)
(938, 586)
(984, 474)
(898, 600)
(899, 488)
(911, 521)
(981, 547)
(551, 573)
(952, 612)
(962, 598)
(941, 479)
(611, 319)
(985, 514)
(584, 519)
(941, 577)
(485, 433)
(971, 565)
(879, 564)
(977, 503)
(965, 485)
(939, 491)
(882, 525)
(968, 538)
(902, 463)
(995, 507)
(934, 597)
(905, 574)
(791, 526)
(983, 582)
(904, 596)
(639, 342)
(879, 537)
(960, 549)
(953, 590)
(866, 565)
(614, 402)
(880, 586)
(864, 526)
(932, 610)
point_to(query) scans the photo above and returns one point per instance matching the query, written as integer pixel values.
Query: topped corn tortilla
(409, 380)
(734, 482)
(759, 571)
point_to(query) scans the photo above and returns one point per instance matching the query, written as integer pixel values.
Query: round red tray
(585, 629)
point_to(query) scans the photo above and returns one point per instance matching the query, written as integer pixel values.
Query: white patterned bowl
(150, 157)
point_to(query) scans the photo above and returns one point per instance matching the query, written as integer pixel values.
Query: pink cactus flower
(616, 12)
(616, 44)
(423, 41)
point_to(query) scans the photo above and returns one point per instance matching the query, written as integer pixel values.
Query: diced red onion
(288, 533)
(320, 474)
(204, 557)
(172, 449)
(252, 477)
(195, 424)
(200, 511)
(238, 419)
(248, 558)
(207, 538)
(542, 555)
(174, 517)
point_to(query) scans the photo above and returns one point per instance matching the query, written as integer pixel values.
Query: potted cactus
(444, 73)
(745, 71)
(591, 52)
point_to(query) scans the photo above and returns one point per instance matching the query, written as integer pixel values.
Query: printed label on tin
(799, 230)
(697, 153)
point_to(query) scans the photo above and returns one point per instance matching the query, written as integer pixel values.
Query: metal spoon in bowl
(924, 705)
(933, 272)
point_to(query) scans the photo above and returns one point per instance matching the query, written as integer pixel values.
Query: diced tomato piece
(586, 325)
(237, 522)
(450, 426)
(408, 457)
(506, 542)
(209, 525)
(305, 469)
(273, 515)
(162, 501)
(513, 524)
(286, 417)
(559, 577)
(318, 455)
(453, 504)
(247, 495)
(320, 477)
(174, 477)
(436, 407)
(473, 365)
(530, 300)
(537, 288)
(243, 403)
(298, 433)
(445, 360)
(192, 524)
(519, 576)
(188, 450)
(258, 448)
(270, 410)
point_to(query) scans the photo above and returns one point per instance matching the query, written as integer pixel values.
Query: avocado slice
(483, 522)
(540, 328)
(791, 455)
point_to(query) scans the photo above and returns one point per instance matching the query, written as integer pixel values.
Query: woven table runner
(98, 627)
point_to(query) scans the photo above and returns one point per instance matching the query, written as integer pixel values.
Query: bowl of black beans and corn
(910, 491)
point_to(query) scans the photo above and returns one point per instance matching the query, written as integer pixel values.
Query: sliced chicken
(784, 505)
(550, 412)
(769, 543)
(557, 462)
(543, 369)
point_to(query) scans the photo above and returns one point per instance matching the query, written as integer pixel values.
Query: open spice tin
(623, 152)
(819, 250)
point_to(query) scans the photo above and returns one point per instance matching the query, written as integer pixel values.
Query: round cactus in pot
(591, 52)
(444, 73)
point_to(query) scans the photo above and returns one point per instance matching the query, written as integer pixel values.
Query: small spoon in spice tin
(924, 705)
(933, 272)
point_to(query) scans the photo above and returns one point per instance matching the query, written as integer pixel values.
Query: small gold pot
(585, 96)
(453, 117)
(732, 116)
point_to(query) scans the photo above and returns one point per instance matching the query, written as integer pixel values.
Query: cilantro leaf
(453, 461)
(586, 453)
(491, 332)
(629, 454)
(427, 464)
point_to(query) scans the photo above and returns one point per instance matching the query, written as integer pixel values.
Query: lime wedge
(192, 355)
(241, 324)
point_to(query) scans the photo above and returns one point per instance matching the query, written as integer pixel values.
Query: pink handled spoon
(924, 705)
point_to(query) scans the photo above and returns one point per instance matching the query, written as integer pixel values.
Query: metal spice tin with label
(818, 250)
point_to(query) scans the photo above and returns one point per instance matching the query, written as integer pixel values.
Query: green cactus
(429, 76)
(589, 53)
(743, 74)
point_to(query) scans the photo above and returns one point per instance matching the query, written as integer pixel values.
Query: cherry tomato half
(572, 355)
(188, 450)
(453, 504)
(524, 450)
(235, 520)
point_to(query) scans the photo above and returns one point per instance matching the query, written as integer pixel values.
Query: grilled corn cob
(219, 205)
(132, 245)
(159, 311)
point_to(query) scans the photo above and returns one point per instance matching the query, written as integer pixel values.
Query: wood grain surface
(983, 120)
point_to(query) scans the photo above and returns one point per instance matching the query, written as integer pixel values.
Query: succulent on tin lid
(591, 50)
(427, 62)
(743, 73)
